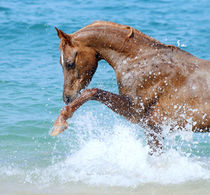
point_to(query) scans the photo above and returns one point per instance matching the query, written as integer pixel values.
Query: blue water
(100, 152)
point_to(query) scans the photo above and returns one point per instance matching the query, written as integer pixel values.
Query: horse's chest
(128, 81)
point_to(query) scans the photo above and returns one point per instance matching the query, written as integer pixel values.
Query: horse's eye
(71, 65)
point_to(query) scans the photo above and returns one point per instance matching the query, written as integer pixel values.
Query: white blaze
(62, 59)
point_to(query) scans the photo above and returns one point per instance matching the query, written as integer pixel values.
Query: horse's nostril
(67, 99)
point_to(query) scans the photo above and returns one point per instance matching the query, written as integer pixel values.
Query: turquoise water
(100, 153)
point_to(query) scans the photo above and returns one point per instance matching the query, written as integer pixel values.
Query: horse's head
(79, 63)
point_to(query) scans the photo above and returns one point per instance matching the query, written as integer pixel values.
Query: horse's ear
(63, 35)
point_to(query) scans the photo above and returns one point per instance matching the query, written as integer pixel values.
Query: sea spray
(112, 156)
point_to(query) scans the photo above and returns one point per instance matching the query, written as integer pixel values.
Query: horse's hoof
(58, 129)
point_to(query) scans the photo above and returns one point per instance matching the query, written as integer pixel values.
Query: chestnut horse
(158, 84)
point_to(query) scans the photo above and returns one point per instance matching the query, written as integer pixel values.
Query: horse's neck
(115, 43)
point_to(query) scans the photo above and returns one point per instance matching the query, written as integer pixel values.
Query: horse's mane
(137, 33)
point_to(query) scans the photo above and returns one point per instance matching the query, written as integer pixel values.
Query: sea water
(100, 152)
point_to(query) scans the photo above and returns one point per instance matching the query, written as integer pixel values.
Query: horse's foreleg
(154, 140)
(118, 103)
(60, 124)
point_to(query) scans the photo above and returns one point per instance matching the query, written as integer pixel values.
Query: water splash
(116, 157)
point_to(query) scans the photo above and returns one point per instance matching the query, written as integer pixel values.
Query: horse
(158, 84)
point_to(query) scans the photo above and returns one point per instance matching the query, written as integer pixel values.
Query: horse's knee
(90, 94)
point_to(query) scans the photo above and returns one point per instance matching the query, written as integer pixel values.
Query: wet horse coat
(158, 84)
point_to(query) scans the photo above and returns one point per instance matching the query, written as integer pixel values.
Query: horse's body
(158, 84)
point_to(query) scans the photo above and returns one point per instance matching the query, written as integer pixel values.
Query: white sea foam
(119, 158)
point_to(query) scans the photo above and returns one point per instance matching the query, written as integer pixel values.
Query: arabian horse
(158, 84)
